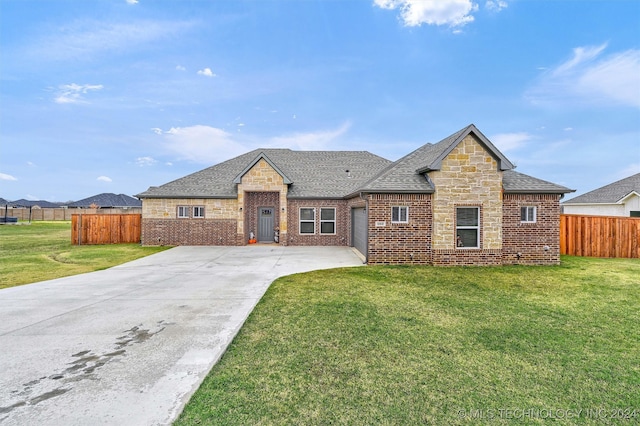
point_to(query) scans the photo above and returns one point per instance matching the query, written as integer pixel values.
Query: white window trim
(476, 227)
(400, 208)
(185, 210)
(301, 221)
(535, 214)
(334, 221)
(194, 212)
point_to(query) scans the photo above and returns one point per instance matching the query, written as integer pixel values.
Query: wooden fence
(105, 228)
(600, 236)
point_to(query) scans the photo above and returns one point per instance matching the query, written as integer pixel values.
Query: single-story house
(107, 200)
(621, 198)
(456, 202)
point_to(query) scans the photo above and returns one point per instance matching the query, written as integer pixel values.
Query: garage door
(359, 230)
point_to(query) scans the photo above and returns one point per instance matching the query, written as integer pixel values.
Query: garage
(359, 229)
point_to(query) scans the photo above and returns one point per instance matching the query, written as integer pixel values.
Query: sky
(119, 95)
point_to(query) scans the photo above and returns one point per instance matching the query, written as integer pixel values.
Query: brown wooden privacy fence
(105, 228)
(600, 236)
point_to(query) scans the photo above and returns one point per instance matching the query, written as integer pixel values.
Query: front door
(265, 224)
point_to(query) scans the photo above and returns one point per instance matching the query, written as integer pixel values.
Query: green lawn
(42, 251)
(423, 345)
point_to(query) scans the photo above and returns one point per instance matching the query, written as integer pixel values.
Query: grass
(423, 345)
(43, 251)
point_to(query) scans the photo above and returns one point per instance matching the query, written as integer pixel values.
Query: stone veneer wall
(468, 176)
(262, 178)
(530, 240)
(343, 220)
(399, 243)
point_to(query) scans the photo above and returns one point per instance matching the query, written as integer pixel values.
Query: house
(621, 198)
(106, 201)
(456, 202)
(36, 204)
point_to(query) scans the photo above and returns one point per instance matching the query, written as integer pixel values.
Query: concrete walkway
(129, 345)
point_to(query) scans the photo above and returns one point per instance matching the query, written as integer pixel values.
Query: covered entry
(359, 229)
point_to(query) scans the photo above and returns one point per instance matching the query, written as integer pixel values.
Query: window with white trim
(528, 214)
(327, 220)
(198, 211)
(468, 227)
(183, 212)
(400, 214)
(307, 220)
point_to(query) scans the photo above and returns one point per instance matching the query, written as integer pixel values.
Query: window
(468, 227)
(528, 214)
(399, 214)
(198, 211)
(183, 212)
(328, 220)
(307, 220)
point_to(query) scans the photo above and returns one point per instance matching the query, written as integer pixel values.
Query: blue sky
(119, 95)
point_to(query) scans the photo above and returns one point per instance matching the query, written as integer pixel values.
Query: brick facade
(252, 202)
(398, 243)
(342, 226)
(531, 243)
(189, 232)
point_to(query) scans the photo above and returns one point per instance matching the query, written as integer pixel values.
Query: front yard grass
(43, 251)
(421, 345)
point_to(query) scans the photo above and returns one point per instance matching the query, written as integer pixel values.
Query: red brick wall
(467, 257)
(530, 239)
(396, 243)
(343, 219)
(189, 232)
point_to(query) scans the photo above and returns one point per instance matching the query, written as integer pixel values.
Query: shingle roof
(314, 174)
(323, 174)
(105, 200)
(518, 183)
(32, 203)
(609, 194)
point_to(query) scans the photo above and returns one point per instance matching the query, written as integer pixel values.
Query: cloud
(455, 13)
(210, 145)
(496, 5)
(506, 142)
(73, 93)
(318, 140)
(206, 72)
(202, 144)
(145, 161)
(132, 2)
(591, 77)
(180, 68)
(104, 179)
(84, 39)
(4, 176)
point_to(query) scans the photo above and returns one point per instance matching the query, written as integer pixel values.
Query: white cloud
(104, 179)
(157, 130)
(206, 72)
(496, 5)
(132, 2)
(145, 161)
(202, 144)
(506, 142)
(413, 13)
(74, 93)
(590, 77)
(318, 140)
(180, 68)
(4, 176)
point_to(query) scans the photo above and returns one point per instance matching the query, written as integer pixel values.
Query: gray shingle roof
(106, 200)
(323, 174)
(314, 174)
(609, 194)
(518, 183)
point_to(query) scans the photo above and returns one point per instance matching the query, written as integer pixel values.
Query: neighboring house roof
(34, 203)
(107, 200)
(614, 193)
(339, 174)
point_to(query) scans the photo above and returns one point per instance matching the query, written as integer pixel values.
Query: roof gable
(262, 156)
(614, 193)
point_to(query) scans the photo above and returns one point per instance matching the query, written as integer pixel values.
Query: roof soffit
(262, 156)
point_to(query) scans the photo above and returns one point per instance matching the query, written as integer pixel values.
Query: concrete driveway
(129, 345)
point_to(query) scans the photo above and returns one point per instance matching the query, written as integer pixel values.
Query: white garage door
(359, 230)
